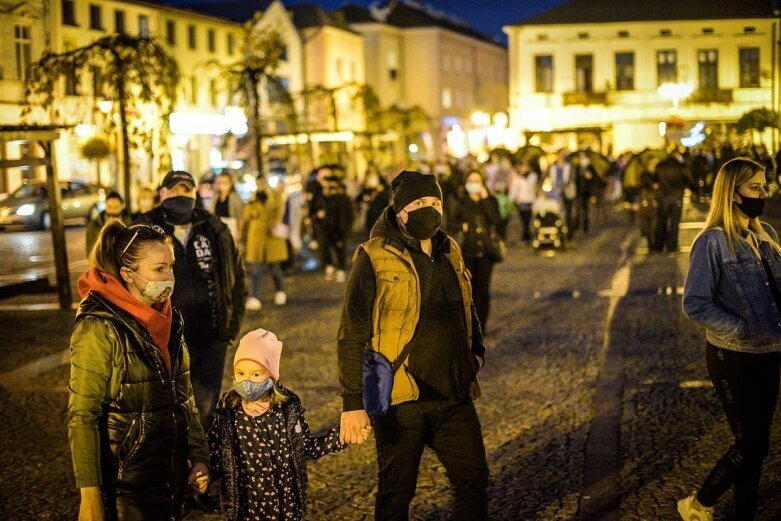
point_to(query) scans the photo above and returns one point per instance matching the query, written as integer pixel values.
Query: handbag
(280, 231)
(378, 374)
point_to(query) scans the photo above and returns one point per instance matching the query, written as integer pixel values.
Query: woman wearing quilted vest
(135, 437)
(260, 440)
(409, 299)
(732, 289)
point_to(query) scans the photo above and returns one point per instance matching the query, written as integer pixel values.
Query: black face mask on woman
(423, 223)
(751, 206)
(179, 209)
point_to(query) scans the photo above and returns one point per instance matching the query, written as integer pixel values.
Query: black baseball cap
(174, 177)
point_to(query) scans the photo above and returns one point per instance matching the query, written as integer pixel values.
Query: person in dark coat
(477, 215)
(376, 196)
(672, 176)
(334, 216)
(210, 275)
(587, 180)
(115, 209)
(133, 425)
(409, 290)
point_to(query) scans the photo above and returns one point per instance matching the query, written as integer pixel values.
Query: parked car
(29, 204)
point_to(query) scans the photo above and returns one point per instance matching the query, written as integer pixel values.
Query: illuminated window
(447, 99)
(666, 67)
(749, 67)
(543, 71)
(143, 25)
(23, 46)
(708, 61)
(625, 70)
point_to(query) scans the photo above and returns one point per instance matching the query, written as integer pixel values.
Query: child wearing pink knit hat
(260, 439)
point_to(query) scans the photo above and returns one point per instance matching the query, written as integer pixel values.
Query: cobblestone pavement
(544, 337)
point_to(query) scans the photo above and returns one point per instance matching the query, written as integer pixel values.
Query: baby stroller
(547, 227)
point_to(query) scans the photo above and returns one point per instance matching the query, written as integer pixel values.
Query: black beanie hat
(410, 185)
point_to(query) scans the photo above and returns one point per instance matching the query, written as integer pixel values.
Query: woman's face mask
(179, 209)
(156, 290)
(253, 391)
(473, 188)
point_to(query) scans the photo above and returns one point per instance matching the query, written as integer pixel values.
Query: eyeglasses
(151, 232)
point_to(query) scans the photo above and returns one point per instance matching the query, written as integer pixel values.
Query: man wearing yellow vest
(409, 289)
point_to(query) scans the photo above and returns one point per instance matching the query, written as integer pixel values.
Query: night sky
(487, 16)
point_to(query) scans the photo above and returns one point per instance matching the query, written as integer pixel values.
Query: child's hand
(199, 477)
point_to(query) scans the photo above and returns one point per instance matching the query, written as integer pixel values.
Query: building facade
(418, 57)
(637, 74)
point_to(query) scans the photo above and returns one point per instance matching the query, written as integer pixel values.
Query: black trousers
(569, 217)
(207, 365)
(668, 220)
(747, 385)
(333, 251)
(525, 214)
(452, 430)
(482, 269)
(582, 213)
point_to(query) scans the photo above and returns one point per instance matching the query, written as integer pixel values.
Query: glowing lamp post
(675, 92)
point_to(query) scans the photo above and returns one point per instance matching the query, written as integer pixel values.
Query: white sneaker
(253, 304)
(341, 276)
(329, 273)
(280, 298)
(691, 510)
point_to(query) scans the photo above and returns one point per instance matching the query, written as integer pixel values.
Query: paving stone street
(556, 320)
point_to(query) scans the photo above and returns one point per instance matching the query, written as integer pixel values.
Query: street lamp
(675, 92)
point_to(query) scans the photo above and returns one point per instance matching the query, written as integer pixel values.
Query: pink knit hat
(263, 347)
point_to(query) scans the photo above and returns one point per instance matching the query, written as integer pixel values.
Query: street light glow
(675, 91)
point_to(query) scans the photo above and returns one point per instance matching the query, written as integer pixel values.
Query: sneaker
(691, 510)
(253, 304)
(329, 273)
(280, 298)
(341, 276)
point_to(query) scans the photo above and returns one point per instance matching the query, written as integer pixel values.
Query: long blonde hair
(722, 214)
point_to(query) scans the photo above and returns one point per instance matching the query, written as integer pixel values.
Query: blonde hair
(722, 214)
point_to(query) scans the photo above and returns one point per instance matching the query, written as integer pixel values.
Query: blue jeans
(256, 269)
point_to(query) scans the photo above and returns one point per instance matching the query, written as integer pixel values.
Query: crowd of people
(146, 418)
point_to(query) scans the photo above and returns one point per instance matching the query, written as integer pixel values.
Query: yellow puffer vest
(397, 307)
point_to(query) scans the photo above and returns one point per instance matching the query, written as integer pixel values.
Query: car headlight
(25, 210)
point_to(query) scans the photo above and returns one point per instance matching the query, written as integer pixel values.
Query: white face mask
(156, 290)
(473, 188)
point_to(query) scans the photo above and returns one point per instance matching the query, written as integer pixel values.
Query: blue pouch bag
(378, 373)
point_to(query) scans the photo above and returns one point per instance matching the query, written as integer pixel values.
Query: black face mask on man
(423, 223)
(751, 206)
(179, 209)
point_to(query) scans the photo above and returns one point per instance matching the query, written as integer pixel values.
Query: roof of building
(238, 11)
(409, 14)
(312, 15)
(606, 11)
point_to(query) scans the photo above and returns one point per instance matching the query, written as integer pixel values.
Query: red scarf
(157, 323)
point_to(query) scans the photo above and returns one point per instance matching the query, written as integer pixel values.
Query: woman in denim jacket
(732, 289)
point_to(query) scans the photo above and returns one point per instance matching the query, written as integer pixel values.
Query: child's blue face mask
(253, 391)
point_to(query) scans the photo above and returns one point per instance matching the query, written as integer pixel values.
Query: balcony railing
(585, 98)
(712, 96)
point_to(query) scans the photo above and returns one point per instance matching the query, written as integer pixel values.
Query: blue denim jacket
(730, 295)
